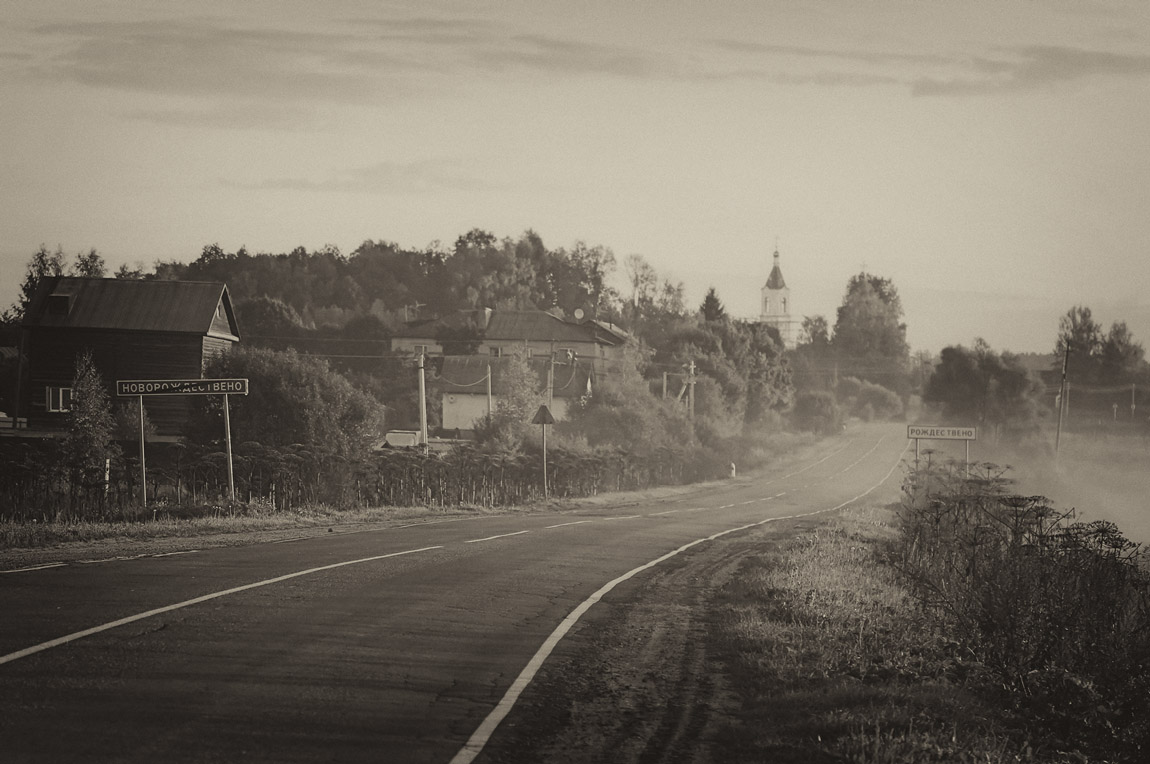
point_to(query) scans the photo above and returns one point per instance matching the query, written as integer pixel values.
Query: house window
(59, 399)
(422, 349)
(58, 304)
(496, 352)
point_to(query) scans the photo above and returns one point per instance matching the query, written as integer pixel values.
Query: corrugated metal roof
(129, 305)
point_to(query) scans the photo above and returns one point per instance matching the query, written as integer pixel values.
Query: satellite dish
(579, 314)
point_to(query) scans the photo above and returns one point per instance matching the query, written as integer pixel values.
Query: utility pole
(691, 389)
(422, 405)
(551, 379)
(1063, 392)
(490, 408)
(664, 385)
(143, 469)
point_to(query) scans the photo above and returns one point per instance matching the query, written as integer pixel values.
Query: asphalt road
(393, 645)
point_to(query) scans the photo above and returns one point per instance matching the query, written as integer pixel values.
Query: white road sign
(934, 432)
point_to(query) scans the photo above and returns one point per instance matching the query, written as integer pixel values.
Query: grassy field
(834, 661)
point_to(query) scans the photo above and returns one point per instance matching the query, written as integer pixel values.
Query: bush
(868, 401)
(816, 411)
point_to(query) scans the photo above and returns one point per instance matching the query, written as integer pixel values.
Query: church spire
(775, 280)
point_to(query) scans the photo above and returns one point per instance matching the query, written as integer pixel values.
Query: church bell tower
(776, 306)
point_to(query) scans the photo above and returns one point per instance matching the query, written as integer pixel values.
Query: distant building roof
(775, 280)
(535, 326)
(132, 305)
(468, 375)
(516, 326)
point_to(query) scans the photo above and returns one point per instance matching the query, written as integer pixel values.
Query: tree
(1083, 335)
(979, 386)
(88, 264)
(643, 279)
(815, 332)
(91, 427)
(869, 337)
(1121, 359)
(42, 265)
(268, 317)
(712, 307)
(520, 395)
(293, 399)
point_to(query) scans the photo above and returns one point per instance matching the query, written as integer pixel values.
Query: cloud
(1015, 69)
(201, 58)
(380, 178)
(1035, 67)
(232, 116)
(851, 55)
(346, 62)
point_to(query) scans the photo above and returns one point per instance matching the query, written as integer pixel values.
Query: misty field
(1103, 477)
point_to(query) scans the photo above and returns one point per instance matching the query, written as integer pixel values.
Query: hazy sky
(992, 159)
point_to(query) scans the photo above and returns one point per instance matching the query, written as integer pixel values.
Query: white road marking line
(500, 536)
(667, 512)
(563, 525)
(197, 600)
(35, 567)
(624, 517)
(482, 734)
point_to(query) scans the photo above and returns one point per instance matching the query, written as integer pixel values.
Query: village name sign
(182, 387)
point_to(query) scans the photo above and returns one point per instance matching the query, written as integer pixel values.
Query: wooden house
(135, 329)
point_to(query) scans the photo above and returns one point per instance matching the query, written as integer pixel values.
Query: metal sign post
(228, 441)
(143, 470)
(224, 387)
(543, 417)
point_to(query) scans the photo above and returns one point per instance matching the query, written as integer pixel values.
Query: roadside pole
(228, 441)
(143, 469)
(543, 417)
(422, 405)
(1062, 393)
(490, 406)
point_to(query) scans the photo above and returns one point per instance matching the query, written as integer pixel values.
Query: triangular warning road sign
(543, 416)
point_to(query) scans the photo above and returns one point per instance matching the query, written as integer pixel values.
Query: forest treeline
(316, 325)
(315, 328)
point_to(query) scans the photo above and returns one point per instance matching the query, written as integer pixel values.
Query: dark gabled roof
(185, 307)
(537, 326)
(432, 328)
(468, 375)
(515, 326)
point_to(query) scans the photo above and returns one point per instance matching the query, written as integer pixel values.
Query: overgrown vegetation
(963, 624)
(1057, 610)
